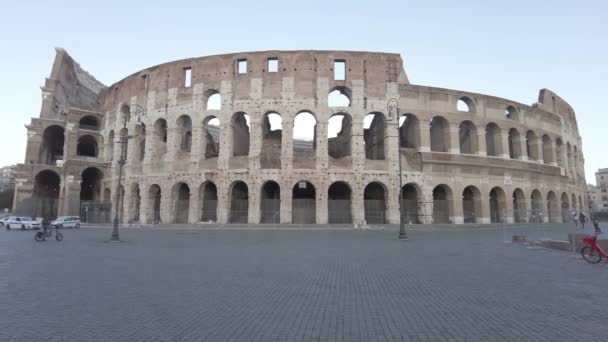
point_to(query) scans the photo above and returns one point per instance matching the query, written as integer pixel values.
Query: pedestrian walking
(596, 225)
(575, 219)
(581, 218)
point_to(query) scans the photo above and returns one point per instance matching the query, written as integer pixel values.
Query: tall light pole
(393, 113)
(137, 111)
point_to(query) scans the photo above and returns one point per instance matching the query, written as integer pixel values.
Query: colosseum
(294, 137)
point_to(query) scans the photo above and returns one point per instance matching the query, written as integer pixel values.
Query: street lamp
(393, 112)
(137, 111)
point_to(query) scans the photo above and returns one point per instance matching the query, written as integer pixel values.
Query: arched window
(339, 197)
(303, 203)
(304, 140)
(471, 204)
(181, 196)
(465, 104)
(374, 202)
(52, 145)
(87, 146)
(270, 208)
(512, 113)
(547, 150)
(339, 133)
(532, 146)
(409, 131)
(339, 97)
(493, 140)
(467, 133)
(272, 135)
(440, 135)
(89, 122)
(214, 100)
(374, 131)
(184, 132)
(240, 134)
(211, 137)
(514, 144)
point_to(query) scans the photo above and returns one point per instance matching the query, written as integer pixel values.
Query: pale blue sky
(509, 49)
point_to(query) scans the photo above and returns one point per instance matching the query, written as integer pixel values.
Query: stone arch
(409, 131)
(553, 207)
(514, 144)
(374, 131)
(134, 207)
(536, 200)
(520, 212)
(410, 193)
(339, 135)
(181, 202)
(270, 206)
(125, 112)
(339, 96)
(442, 204)
(272, 136)
(467, 133)
(239, 202)
(87, 146)
(89, 122)
(531, 146)
(374, 199)
(565, 206)
(214, 99)
(304, 140)
(159, 141)
(154, 202)
(547, 150)
(208, 198)
(471, 204)
(240, 134)
(498, 205)
(465, 104)
(440, 134)
(51, 149)
(512, 113)
(211, 137)
(90, 187)
(303, 203)
(184, 133)
(47, 186)
(339, 203)
(493, 140)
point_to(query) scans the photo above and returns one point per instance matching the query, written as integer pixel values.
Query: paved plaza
(297, 285)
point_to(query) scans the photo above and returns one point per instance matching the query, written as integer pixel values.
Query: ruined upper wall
(69, 86)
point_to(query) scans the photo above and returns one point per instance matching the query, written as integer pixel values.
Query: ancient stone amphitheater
(295, 137)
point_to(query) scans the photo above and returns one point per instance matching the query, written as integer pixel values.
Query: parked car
(21, 222)
(66, 222)
(4, 219)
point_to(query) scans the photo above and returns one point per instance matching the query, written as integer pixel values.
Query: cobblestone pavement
(296, 285)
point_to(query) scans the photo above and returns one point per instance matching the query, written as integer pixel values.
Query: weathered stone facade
(465, 157)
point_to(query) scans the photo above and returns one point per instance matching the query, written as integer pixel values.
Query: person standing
(575, 219)
(581, 218)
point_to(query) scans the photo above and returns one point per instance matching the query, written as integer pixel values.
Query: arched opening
(270, 208)
(467, 133)
(125, 113)
(569, 155)
(440, 134)
(339, 133)
(339, 203)
(339, 97)
(304, 140)
(409, 131)
(565, 204)
(90, 187)
(140, 138)
(239, 203)
(560, 152)
(547, 150)
(536, 214)
(211, 137)
(184, 133)
(240, 134)
(553, 209)
(410, 203)
(87, 146)
(110, 148)
(442, 195)
(214, 100)
(471, 204)
(497, 205)
(374, 131)
(374, 199)
(520, 211)
(181, 195)
(512, 113)
(52, 145)
(154, 198)
(135, 204)
(124, 147)
(514, 144)
(531, 146)
(89, 122)
(46, 194)
(465, 104)
(208, 193)
(493, 140)
(303, 205)
(272, 135)
(159, 140)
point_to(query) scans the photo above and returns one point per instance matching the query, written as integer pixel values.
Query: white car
(21, 222)
(4, 219)
(66, 222)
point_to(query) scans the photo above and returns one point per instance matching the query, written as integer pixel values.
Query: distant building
(601, 179)
(593, 193)
(7, 177)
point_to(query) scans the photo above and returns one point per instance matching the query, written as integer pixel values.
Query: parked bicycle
(592, 252)
(47, 232)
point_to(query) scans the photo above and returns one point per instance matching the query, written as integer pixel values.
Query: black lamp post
(393, 112)
(137, 111)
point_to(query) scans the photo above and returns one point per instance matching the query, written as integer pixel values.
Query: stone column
(167, 206)
(485, 208)
(255, 141)
(455, 138)
(287, 146)
(425, 209)
(225, 152)
(223, 202)
(392, 202)
(508, 209)
(358, 208)
(196, 148)
(481, 142)
(523, 147)
(285, 203)
(505, 144)
(357, 143)
(321, 203)
(553, 154)
(538, 147)
(144, 207)
(193, 209)
(322, 158)
(425, 135)
(253, 210)
(457, 205)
